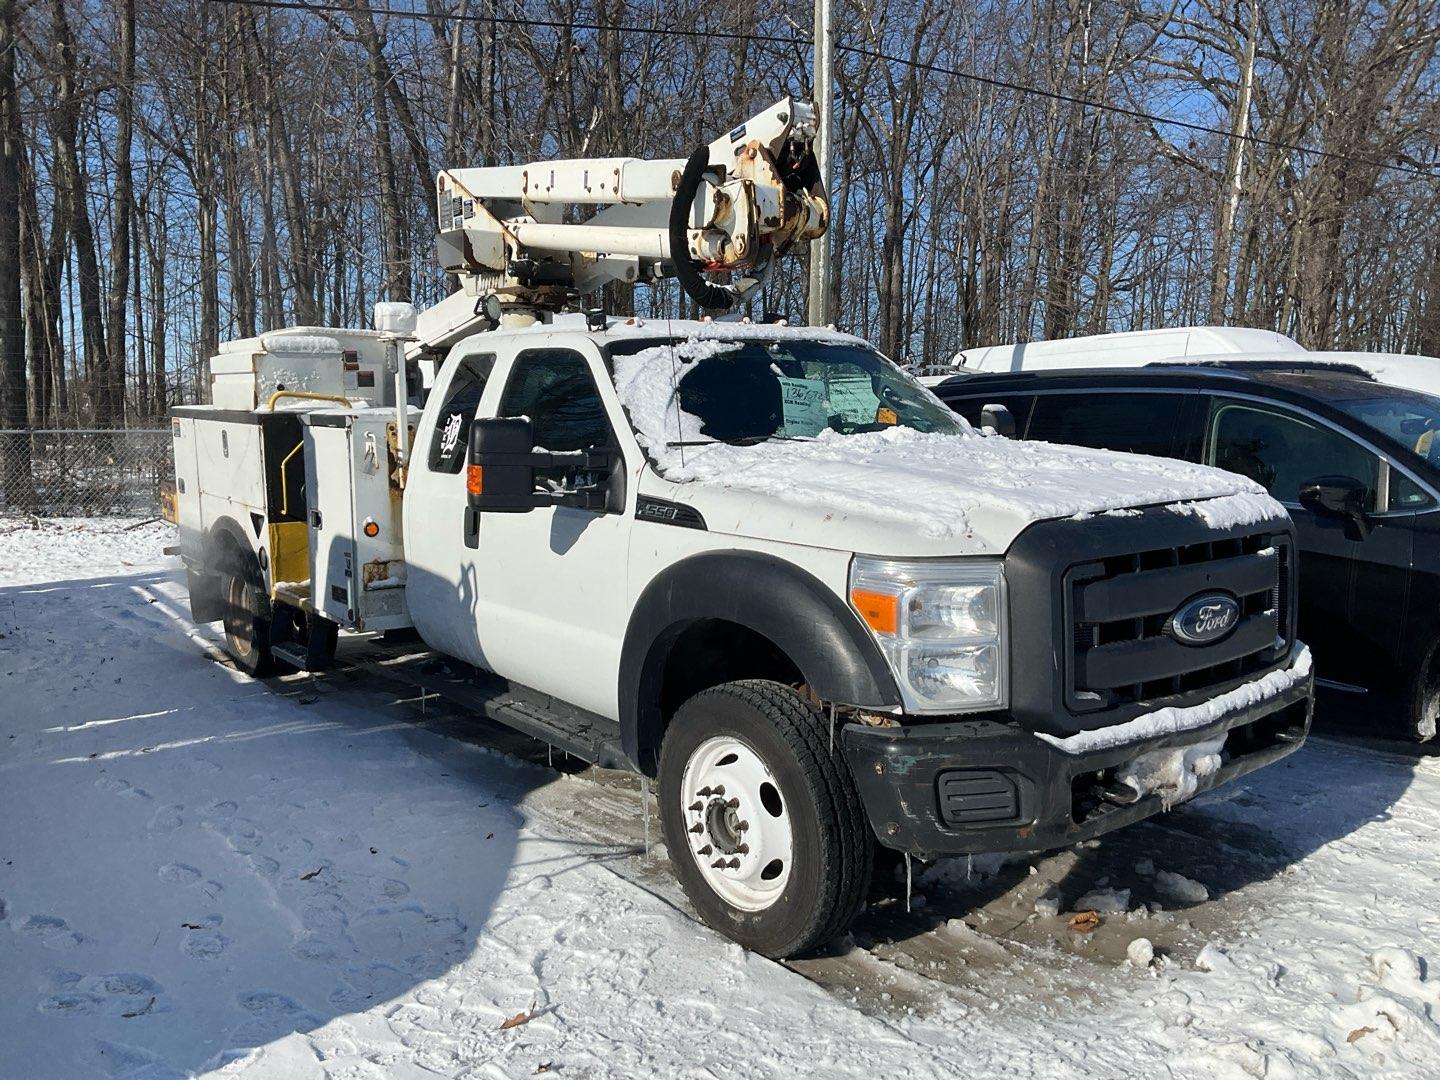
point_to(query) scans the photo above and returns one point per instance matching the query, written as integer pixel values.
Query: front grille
(1119, 606)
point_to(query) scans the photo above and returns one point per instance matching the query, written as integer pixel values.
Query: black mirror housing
(500, 472)
(1337, 497)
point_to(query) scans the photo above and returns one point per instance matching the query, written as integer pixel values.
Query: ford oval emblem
(1204, 619)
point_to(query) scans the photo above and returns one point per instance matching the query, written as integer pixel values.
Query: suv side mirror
(1338, 497)
(998, 417)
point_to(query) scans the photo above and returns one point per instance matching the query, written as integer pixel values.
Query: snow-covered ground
(307, 878)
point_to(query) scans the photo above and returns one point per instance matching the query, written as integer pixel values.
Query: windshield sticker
(804, 405)
(852, 397)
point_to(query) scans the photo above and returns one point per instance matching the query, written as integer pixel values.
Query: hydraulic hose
(687, 269)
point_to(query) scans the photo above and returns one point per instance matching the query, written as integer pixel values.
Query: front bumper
(982, 786)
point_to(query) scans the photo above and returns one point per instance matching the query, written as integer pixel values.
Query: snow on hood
(970, 491)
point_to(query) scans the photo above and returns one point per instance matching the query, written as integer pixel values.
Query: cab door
(440, 584)
(551, 583)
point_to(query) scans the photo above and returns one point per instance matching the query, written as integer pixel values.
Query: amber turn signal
(881, 611)
(475, 479)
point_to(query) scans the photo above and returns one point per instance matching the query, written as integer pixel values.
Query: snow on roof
(943, 485)
(716, 330)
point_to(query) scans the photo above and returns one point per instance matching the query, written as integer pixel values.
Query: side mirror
(1338, 497)
(500, 469)
(998, 417)
(500, 473)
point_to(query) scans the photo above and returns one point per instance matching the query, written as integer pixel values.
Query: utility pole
(1230, 204)
(818, 313)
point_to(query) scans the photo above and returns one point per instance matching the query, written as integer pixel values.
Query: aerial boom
(542, 234)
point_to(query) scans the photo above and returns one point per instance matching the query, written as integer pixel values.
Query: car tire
(762, 819)
(1422, 712)
(247, 625)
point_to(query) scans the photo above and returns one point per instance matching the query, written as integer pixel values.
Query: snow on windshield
(936, 482)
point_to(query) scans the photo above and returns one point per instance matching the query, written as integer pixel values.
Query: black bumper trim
(899, 770)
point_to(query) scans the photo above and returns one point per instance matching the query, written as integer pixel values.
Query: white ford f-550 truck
(757, 562)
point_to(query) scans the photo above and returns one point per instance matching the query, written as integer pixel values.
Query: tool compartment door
(333, 564)
(379, 585)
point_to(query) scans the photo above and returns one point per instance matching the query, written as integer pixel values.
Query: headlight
(942, 627)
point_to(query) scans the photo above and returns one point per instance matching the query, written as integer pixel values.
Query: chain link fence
(84, 472)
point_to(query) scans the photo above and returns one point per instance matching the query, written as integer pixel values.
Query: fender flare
(826, 641)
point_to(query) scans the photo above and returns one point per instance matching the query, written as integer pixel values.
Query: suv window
(555, 389)
(1282, 452)
(452, 422)
(1135, 422)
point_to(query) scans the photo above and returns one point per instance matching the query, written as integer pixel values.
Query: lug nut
(742, 826)
(744, 849)
(697, 828)
(718, 864)
(733, 804)
(697, 806)
(734, 864)
(704, 793)
(718, 790)
(706, 850)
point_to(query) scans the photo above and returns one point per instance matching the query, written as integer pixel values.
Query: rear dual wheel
(762, 820)
(253, 624)
(247, 625)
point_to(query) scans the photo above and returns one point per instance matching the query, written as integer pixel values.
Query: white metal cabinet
(354, 513)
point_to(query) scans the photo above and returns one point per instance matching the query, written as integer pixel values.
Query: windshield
(751, 391)
(1412, 420)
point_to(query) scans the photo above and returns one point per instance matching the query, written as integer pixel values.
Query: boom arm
(734, 206)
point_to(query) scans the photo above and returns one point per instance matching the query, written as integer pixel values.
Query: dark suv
(1356, 462)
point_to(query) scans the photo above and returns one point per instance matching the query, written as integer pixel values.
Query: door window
(1405, 494)
(452, 423)
(970, 408)
(1135, 422)
(1282, 453)
(554, 388)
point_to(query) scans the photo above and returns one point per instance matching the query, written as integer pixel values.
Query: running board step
(292, 653)
(585, 735)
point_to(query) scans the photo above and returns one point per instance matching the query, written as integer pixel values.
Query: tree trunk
(396, 282)
(72, 188)
(122, 200)
(19, 485)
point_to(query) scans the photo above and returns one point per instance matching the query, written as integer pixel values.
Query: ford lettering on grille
(1204, 619)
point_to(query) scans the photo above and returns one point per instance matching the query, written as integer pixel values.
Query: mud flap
(207, 597)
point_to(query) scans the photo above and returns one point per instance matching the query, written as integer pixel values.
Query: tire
(247, 625)
(1422, 708)
(790, 830)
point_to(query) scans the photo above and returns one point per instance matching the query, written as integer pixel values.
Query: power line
(1134, 114)
(857, 50)
(521, 20)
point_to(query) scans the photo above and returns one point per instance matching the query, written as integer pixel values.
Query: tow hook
(1119, 794)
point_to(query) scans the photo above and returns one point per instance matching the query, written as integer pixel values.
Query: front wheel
(762, 820)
